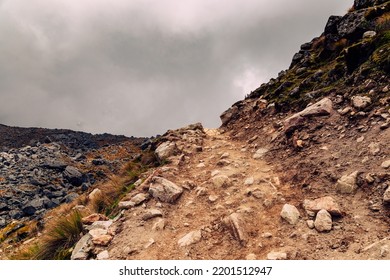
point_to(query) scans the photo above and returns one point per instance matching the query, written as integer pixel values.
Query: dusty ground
(203, 206)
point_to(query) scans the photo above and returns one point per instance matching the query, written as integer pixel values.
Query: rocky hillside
(43, 168)
(298, 170)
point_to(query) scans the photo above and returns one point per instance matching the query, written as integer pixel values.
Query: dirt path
(232, 205)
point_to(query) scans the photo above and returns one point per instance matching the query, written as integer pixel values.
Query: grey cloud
(140, 67)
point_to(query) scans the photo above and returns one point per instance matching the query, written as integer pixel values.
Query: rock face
(321, 108)
(323, 221)
(164, 190)
(290, 213)
(347, 183)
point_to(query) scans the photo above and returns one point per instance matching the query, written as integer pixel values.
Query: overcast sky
(140, 67)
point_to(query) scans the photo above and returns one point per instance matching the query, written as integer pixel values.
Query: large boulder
(165, 190)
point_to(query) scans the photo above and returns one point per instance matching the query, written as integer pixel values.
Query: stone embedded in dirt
(221, 181)
(213, 198)
(151, 213)
(166, 150)
(251, 257)
(225, 155)
(323, 221)
(290, 213)
(139, 198)
(165, 190)
(266, 235)
(347, 183)
(327, 203)
(134, 201)
(276, 256)
(360, 102)
(374, 148)
(93, 218)
(236, 225)
(159, 225)
(102, 240)
(215, 173)
(190, 238)
(386, 196)
(385, 164)
(323, 107)
(223, 162)
(104, 255)
(310, 224)
(201, 165)
(249, 181)
(260, 153)
(83, 248)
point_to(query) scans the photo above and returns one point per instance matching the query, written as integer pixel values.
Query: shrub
(60, 238)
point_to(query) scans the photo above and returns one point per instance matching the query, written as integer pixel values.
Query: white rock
(190, 238)
(165, 190)
(166, 150)
(221, 181)
(290, 213)
(249, 181)
(251, 257)
(260, 153)
(385, 164)
(159, 225)
(369, 34)
(347, 183)
(103, 255)
(201, 165)
(277, 256)
(225, 155)
(361, 102)
(323, 221)
(310, 224)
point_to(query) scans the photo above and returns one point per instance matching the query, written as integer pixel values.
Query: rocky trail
(225, 201)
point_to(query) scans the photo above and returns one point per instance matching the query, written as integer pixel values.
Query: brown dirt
(278, 180)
